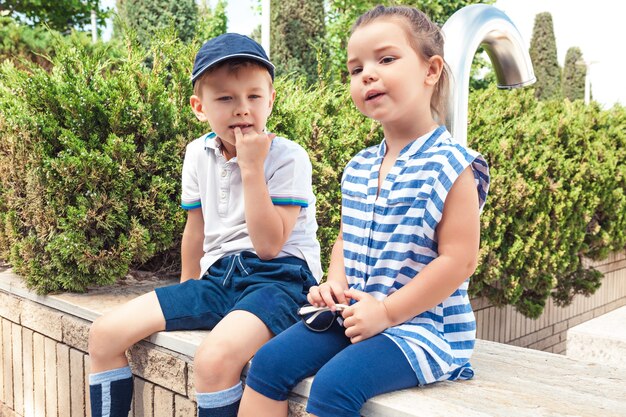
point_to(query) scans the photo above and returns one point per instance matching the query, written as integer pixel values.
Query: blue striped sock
(219, 404)
(111, 392)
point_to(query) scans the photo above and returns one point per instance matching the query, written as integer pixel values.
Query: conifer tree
(297, 28)
(544, 58)
(574, 73)
(147, 16)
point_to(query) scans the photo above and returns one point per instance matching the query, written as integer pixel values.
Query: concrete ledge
(509, 380)
(601, 340)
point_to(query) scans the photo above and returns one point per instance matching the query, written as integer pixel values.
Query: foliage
(147, 17)
(90, 159)
(19, 42)
(558, 194)
(544, 58)
(574, 73)
(297, 25)
(211, 22)
(22, 44)
(61, 15)
(343, 13)
(91, 152)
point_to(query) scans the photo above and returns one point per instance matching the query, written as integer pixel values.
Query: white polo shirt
(214, 184)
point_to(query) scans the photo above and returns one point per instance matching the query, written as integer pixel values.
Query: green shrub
(90, 159)
(19, 42)
(557, 195)
(91, 153)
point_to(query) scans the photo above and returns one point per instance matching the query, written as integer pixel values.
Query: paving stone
(75, 332)
(7, 354)
(42, 319)
(10, 307)
(601, 340)
(27, 363)
(63, 380)
(77, 382)
(159, 367)
(18, 369)
(50, 358)
(183, 406)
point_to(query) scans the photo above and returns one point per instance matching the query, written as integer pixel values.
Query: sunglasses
(319, 319)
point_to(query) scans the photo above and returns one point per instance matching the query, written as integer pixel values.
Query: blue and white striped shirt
(389, 238)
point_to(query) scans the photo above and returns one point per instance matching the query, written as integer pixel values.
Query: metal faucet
(489, 27)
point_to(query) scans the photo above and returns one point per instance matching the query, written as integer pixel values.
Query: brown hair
(425, 38)
(234, 65)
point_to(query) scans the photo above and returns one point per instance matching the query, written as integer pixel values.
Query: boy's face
(234, 98)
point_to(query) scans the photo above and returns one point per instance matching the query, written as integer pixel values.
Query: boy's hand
(252, 148)
(365, 318)
(327, 294)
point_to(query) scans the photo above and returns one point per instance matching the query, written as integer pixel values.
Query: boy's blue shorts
(272, 290)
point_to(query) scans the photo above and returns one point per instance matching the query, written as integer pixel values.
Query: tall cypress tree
(574, 73)
(543, 55)
(297, 28)
(147, 16)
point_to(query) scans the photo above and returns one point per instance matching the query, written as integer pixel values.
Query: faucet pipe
(466, 30)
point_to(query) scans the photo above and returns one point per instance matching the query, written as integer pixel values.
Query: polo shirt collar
(419, 145)
(213, 142)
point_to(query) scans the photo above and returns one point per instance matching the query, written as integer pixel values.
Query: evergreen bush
(558, 194)
(90, 156)
(91, 153)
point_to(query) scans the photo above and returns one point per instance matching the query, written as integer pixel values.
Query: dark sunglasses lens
(319, 321)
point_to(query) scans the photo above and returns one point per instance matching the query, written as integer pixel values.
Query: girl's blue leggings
(347, 375)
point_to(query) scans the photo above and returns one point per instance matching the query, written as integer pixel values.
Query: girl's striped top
(389, 238)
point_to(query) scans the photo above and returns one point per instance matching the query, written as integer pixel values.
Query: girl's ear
(196, 106)
(435, 67)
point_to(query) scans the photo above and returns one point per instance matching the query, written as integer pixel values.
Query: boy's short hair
(227, 47)
(234, 65)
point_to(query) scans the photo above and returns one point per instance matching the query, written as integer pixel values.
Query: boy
(249, 241)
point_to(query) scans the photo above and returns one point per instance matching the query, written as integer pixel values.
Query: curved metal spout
(489, 27)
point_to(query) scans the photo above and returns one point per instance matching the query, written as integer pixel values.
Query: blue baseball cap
(228, 46)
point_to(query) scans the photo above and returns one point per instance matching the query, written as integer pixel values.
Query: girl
(408, 243)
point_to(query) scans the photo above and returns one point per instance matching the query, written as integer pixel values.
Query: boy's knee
(215, 359)
(100, 334)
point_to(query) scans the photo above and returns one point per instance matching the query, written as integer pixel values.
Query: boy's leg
(221, 357)
(282, 363)
(111, 385)
(358, 373)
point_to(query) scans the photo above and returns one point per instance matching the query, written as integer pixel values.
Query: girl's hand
(366, 318)
(328, 294)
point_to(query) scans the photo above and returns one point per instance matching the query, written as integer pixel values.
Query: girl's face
(389, 81)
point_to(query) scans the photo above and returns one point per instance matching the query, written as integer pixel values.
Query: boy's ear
(272, 99)
(435, 67)
(196, 106)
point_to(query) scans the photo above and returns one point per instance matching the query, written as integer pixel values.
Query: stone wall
(44, 343)
(45, 365)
